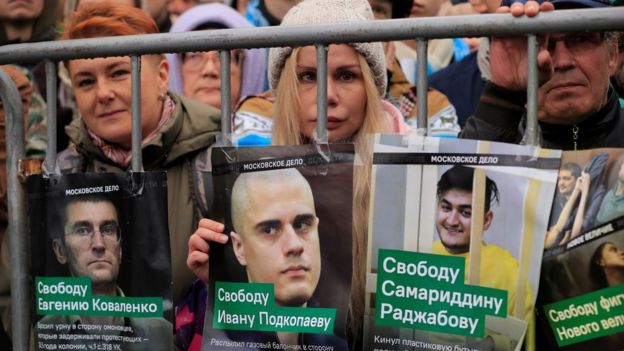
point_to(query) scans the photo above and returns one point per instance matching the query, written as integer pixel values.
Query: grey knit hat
(329, 12)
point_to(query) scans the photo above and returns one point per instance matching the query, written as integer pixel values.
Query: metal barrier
(608, 19)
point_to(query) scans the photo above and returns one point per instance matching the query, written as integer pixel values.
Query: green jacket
(184, 138)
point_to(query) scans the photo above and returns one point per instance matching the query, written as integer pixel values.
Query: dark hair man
(27, 21)
(566, 181)
(499, 269)
(90, 246)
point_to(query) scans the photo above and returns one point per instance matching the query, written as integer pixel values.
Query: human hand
(508, 55)
(583, 182)
(199, 246)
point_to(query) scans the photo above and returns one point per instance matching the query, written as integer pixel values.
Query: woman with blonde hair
(356, 83)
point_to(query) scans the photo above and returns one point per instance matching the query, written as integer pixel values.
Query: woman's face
(612, 257)
(346, 93)
(201, 74)
(102, 87)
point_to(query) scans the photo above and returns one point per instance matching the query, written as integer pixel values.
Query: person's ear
(614, 57)
(163, 75)
(487, 220)
(59, 251)
(239, 248)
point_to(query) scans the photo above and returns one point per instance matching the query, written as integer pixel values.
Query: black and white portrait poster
(455, 242)
(101, 261)
(283, 279)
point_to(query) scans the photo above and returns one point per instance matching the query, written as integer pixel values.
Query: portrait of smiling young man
(454, 215)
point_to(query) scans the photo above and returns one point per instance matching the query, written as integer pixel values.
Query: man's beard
(456, 247)
(453, 247)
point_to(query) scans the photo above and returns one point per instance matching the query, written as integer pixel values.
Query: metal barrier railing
(20, 304)
(422, 29)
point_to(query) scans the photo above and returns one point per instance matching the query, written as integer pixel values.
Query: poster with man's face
(582, 276)
(457, 229)
(283, 279)
(101, 261)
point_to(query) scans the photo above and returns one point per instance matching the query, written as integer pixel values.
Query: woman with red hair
(175, 130)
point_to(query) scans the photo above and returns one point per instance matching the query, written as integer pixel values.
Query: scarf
(122, 156)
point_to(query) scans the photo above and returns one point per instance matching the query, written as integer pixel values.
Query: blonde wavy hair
(286, 131)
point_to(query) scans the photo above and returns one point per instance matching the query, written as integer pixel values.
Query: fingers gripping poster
(581, 300)
(282, 281)
(455, 242)
(101, 261)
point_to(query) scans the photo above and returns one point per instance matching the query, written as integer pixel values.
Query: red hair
(103, 19)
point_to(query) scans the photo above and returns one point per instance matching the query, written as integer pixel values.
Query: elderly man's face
(453, 220)
(581, 66)
(91, 244)
(278, 242)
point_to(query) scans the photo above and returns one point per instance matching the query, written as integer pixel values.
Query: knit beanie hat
(329, 12)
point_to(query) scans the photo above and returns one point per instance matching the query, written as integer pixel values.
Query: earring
(162, 96)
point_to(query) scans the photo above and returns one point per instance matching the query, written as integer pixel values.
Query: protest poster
(456, 235)
(101, 261)
(283, 279)
(581, 299)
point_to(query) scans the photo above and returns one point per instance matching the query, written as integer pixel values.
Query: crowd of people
(478, 92)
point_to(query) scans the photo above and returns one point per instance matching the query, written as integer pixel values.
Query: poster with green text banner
(101, 261)
(455, 239)
(283, 279)
(581, 299)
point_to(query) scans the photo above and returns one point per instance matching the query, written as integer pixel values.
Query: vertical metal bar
(531, 137)
(18, 245)
(137, 136)
(422, 82)
(226, 98)
(321, 93)
(51, 96)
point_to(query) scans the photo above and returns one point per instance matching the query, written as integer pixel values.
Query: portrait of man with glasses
(87, 239)
(91, 244)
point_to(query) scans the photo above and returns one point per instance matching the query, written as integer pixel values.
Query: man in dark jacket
(577, 109)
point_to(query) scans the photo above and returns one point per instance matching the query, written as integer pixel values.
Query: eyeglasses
(110, 232)
(578, 43)
(195, 61)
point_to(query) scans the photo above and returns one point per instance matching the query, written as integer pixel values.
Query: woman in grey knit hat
(355, 107)
(356, 83)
